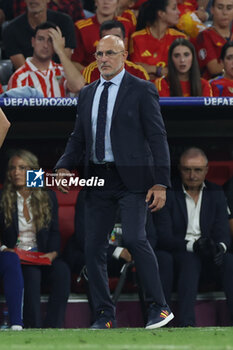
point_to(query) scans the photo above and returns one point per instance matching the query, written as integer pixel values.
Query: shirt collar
(21, 198)
(201, 189)
(116, 80)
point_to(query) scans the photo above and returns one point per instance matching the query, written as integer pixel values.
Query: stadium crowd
(185, 48)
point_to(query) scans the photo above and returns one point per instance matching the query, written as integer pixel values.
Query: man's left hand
(156, 194)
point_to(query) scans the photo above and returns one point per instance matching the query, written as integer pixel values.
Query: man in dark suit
(131, 155)
(194, 227)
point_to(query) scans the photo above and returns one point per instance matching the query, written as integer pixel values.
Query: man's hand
(125, 254)
(61, 174)
(158, 194)
(57, 40)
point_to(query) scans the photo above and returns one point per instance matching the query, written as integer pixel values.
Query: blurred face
(110, 56)
(193, 171)
(17, 172)
(36, 6)
(182, 58)
(42, 45)
(222, 12)
(106, 7)
(228, 63)
(171, 13)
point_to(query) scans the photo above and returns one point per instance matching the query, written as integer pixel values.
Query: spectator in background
(223, 85)
(192, 17)
(4, 126)
(87, 32)
(40, 72)
(91, 72)
(10, 270)
(10, 9)
(124, 10)
(228, 189)
(183, 78)
(150, 43)
(18, 33)
(29, 221)
(194, 227)
(73, 8)
(210, 41)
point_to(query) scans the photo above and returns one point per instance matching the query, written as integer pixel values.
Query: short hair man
(120, 137)
(113, 27)
(18, 33)
(87, 32)
(40, 72)
(194, 227)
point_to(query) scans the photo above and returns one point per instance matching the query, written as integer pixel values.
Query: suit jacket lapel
(125, 85)
(205, 211)
(181, 202)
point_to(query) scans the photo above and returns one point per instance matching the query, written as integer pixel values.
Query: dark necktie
(101, 123)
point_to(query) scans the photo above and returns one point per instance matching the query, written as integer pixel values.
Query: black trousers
(57, 278)
(188, 270)
(101, 208)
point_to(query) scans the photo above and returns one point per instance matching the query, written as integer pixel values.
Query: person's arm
(75, 80)
(4, 126)
(214, 67)
(17, 60)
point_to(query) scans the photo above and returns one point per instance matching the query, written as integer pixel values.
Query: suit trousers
(57, 277)
(101, 208)
(10, 271)
(188, 268)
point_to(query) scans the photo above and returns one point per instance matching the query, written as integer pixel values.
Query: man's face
(110, 56)
(106, 7)
(193, 171)
(36, 6)
(42, 45)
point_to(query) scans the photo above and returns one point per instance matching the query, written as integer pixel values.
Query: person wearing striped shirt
(41, 72)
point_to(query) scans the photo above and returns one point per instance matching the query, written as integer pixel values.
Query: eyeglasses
(109, 53)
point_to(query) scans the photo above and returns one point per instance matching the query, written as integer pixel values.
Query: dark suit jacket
(172, 220)
(138, 136)
(48, 239)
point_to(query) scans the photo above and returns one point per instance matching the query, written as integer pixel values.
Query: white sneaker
(16, 327)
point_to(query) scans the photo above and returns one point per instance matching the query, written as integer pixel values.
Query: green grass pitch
(209, 338)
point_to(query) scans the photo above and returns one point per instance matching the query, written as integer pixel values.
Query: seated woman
(150, 43)
(210, 41)
(183, 77)
(29, 221)
(223, 85)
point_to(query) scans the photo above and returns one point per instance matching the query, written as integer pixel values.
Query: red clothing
(147, 49)
(91, 72)
(138, 3)
(222, 86)
(1, 89)
(19, 7)
(73, 8)
(188, 5)
(208, 45)
(52, 83)
(87, 38)
(129, 14)
(163, 87)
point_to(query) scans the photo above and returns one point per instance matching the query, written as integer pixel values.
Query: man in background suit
(131, 155)
(193, 226)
